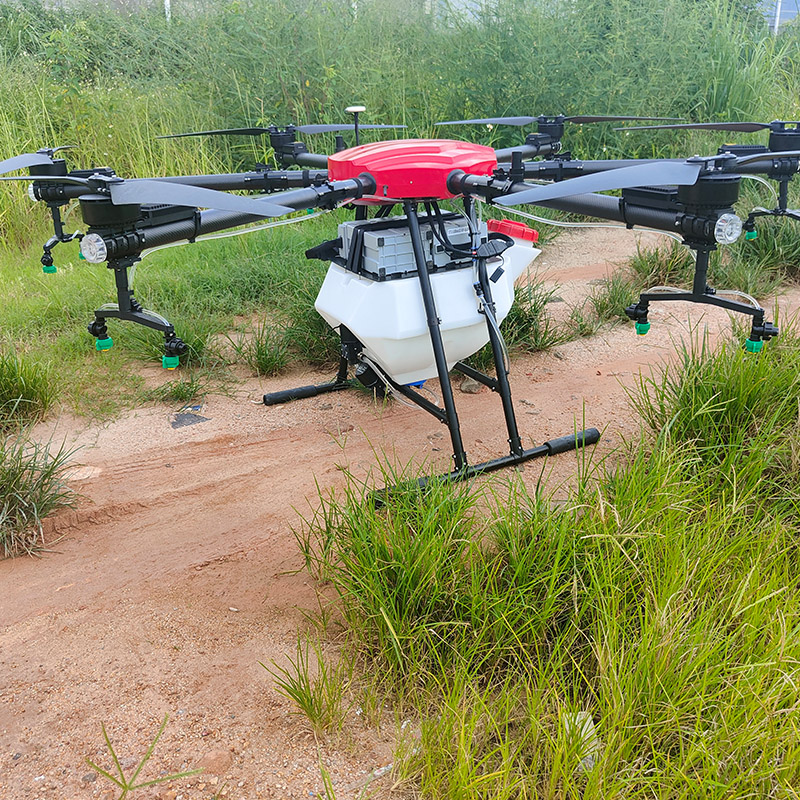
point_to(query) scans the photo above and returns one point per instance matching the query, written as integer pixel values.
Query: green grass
(318, 687)
(184, 390)
(263, 348)
(27, 389)
(659, 599)
(32, 486)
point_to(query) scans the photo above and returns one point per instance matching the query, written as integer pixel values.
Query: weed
(264, 350)
(321, 696)
(180, 390)
(716, 397)
(672, 265)
(32, 486)
(610, 299)
(26, 389)
(581, 323)
(529, 326)
(128, 785)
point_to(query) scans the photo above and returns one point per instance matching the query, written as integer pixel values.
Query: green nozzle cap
(104, 344)
(750, 235)
(170, 362)
(642, 328)
(49, 270)
(753, 346)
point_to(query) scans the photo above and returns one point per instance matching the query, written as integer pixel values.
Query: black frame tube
(459, 456)
(503, 387)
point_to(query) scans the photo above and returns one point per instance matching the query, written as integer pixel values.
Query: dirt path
(177, 573)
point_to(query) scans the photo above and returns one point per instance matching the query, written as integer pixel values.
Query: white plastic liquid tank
(388, 317)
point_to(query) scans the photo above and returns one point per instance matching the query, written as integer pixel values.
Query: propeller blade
(24, 160)
(351, 127)
(155, 191)
(768, 156)
(221, 132)
(741, 127)
(51, 178)
(580, 120)
(657, 174)
(493, 121)
(263, 131)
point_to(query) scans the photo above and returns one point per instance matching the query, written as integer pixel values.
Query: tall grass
(32, 486)
(659, 601)
(27, 389)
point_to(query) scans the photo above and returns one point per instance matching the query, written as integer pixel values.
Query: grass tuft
(32, 486)
(27, 389)
(315, 686)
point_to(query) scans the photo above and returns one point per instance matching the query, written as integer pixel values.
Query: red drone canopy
(412, 169)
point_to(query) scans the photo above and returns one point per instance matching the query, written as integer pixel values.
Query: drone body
(412, 169)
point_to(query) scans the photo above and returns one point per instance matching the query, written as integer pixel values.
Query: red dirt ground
(178, 572)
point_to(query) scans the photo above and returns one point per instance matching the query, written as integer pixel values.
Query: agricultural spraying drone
(413, 294)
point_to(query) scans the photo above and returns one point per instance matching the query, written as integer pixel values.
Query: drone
(412, 289)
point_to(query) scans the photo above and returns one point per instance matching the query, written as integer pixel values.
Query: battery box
(381, 249)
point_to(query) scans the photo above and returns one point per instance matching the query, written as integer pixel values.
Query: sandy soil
(178, 572)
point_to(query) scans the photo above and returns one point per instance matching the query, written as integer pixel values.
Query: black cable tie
(196, 220)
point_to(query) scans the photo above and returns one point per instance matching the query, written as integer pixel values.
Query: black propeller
(578, 120)
(24, 160)
(656, 174)
(40, 158)
(740, 127)
(144, 190)
(664, 173)
(266, 131)
(148, 190)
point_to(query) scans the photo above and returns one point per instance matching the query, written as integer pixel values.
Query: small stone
(325, 406)
(16, 756)
(89, 777)
(470, 386)
(231, 608)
